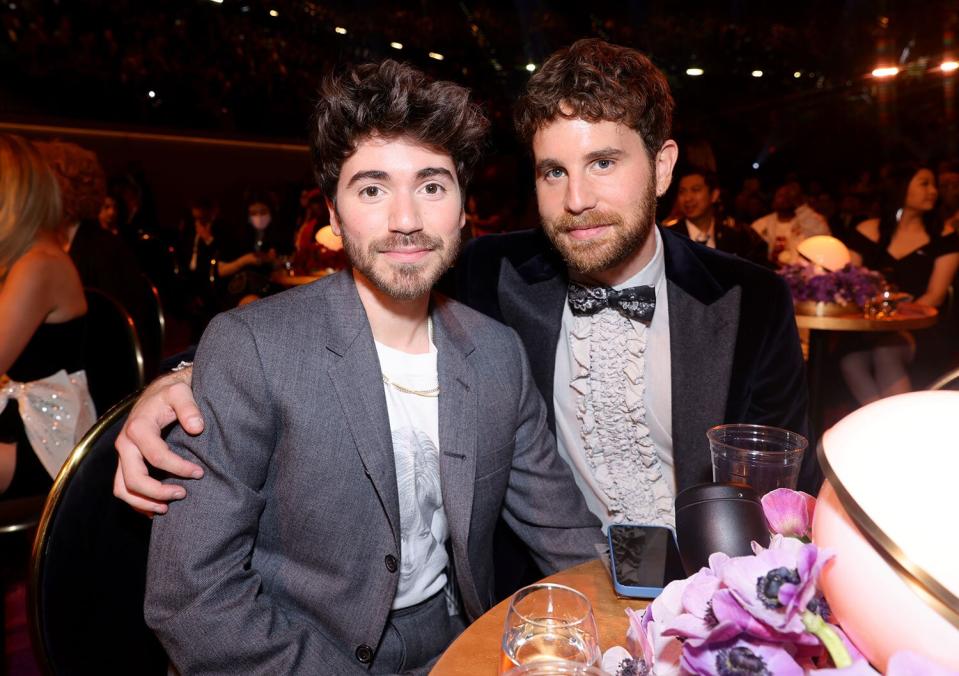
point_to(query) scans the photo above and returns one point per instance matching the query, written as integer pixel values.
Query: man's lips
(587, 232)
(406, 255)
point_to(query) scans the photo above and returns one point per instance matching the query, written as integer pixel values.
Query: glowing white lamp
(827, 252)
(888, 510)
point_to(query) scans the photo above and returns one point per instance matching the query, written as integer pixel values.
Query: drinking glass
(759, 456)
(549, 622)
(557, 668)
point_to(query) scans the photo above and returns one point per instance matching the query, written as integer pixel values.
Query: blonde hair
(29, 198)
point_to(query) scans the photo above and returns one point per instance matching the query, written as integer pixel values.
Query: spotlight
(152, 94)
(340, 30)
(949, 66)
(436, 55)
(694, 72)
(274, 13)
(755, 165)
(396, 45)
(797, 74)
(757, 73)
(530, 67)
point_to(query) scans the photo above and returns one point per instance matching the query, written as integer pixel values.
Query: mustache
(413, 240)
(589, 219)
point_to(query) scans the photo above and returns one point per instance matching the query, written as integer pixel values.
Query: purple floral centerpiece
(848, 286)
(758, 615)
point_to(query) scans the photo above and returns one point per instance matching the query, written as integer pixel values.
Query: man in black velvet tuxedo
(639, 339)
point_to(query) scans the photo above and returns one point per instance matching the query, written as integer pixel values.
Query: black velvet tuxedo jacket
(734, 346)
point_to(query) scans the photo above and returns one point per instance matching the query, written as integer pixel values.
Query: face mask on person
(260, 221)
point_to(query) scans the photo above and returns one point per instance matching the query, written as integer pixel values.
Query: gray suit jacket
(275, 563)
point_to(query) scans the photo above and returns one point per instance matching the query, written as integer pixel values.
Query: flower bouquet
(820, 292)
(756, 615)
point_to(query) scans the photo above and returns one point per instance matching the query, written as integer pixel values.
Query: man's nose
(580, 195)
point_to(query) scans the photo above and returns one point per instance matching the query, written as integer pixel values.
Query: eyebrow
(548, 163)
(434, 171)
(373, 174)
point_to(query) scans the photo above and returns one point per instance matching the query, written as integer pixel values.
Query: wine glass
(549, 622)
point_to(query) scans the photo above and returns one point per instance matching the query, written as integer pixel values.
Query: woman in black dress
(915, 252)
(42, 313)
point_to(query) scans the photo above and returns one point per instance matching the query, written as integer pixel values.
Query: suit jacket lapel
(531, 301)
(358, 382)
(703, 323)
(457, 432)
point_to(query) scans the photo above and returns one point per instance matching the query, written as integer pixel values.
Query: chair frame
(50, 509)
(945, 380)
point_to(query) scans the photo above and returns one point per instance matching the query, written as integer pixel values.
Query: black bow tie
(636, 302)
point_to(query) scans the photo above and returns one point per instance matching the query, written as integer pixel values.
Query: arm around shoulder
(204, 599)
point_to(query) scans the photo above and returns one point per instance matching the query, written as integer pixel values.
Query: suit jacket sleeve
(543, 506)
(203, 599)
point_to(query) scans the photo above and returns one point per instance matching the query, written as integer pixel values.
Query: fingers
(141, 436)
(133, 484)
(180, 398)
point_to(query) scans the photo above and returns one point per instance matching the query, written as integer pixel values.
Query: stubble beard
(402, 281)
(628, 234)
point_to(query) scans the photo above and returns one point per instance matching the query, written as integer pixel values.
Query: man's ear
(665, 161)
(334, 217)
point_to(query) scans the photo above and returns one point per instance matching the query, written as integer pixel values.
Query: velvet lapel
(703, 323)
(457, 430)
(358, 383)
(531, 301)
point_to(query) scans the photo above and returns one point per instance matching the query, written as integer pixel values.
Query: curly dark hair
(393, 100)
(595, 80)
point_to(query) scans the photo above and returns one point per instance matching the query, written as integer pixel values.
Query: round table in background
(478, 650)
(280, 277)
(908, 317)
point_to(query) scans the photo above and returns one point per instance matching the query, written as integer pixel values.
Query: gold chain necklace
(433, 391)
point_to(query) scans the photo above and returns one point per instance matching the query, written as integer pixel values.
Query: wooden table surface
(282, 278)
(478, 649)
(909, 316)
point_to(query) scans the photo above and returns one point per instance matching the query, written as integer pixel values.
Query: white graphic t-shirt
(414, 423)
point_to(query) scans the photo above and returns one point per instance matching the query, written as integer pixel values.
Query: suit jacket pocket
(489, 463)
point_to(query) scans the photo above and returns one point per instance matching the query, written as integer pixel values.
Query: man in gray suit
(363, 435)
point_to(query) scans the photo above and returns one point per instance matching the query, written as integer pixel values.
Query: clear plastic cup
(556, 668)
(759, 456)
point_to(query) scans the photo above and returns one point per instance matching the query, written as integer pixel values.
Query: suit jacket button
(364, 653)
(391, 563)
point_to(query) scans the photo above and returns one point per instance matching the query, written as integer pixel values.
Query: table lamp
(825, 252)
(888, 510)
(326, 237)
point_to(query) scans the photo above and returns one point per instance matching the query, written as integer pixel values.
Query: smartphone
(644, 559)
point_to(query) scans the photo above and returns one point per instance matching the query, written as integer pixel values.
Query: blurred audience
(916, 252)
(791, 221)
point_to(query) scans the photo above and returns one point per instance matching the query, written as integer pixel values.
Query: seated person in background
(42, 324)
(704, 220)
(791, 221)
(949, 193)
(915, 252)
(258, 245)
(363, 434)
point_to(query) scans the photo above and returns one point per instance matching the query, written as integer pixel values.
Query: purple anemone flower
(789, 512)
(776, 584)
(741, 657)
(698, 623)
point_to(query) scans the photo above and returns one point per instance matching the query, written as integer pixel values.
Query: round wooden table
(908, 317)
(477, 651)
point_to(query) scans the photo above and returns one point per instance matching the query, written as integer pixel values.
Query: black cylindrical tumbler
(718, 518)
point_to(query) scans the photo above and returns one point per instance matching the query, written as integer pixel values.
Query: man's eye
(370, 191)
(604, 164)
(555, 172)
(433, 188)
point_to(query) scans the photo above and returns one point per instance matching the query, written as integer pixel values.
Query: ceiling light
(694, 72)
(797, 74)
(949, 66)
(396, 45)
(530, 67)
(757, 73)
(152, 94)
(436, 55)
(274, 13)
(340, 30)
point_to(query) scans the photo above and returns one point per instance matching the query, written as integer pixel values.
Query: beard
(402, 281)
(628, 232)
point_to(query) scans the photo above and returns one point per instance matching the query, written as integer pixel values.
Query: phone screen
(645, 556)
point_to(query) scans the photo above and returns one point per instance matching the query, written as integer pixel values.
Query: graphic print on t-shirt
(417, 468)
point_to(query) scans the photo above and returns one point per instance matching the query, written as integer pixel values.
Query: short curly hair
(393, 100)
(598, 81)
